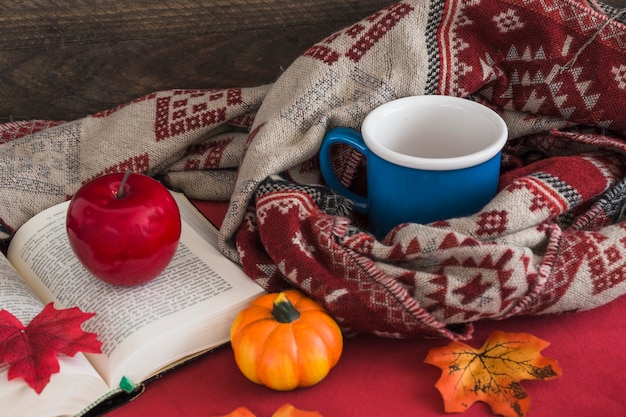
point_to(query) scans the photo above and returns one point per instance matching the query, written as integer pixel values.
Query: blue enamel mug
(428, 158)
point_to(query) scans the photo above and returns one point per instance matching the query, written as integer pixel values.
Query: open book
(144, 330)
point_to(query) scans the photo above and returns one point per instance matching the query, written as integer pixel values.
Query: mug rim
(437, 164)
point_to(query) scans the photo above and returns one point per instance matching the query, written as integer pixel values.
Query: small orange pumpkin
(285, 341)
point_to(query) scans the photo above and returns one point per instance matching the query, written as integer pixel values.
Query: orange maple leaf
(491, 374)
(239, 412)
(286, 410)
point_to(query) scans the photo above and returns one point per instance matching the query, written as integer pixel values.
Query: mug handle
(349, 137)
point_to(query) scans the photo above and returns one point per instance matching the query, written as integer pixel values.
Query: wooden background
(64, 59)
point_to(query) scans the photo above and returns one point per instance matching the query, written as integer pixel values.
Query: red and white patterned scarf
(551, 240)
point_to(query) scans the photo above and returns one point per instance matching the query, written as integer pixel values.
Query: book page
(15, 296)
(77, 382)
(188, 308)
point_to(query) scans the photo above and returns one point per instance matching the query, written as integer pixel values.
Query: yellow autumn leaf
(492, 373)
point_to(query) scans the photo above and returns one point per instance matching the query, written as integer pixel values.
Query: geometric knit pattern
(552, 240)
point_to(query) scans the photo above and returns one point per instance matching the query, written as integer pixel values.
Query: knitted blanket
(551, 240)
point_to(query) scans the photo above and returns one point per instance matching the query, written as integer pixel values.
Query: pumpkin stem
(283, 311)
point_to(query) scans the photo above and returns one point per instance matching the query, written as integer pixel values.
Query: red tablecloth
(383, 377)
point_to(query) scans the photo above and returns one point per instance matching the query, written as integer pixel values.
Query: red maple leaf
(31, 351)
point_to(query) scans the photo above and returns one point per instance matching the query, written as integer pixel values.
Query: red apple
(124, 230)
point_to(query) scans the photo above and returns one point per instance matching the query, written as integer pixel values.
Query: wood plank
(45, 22)
(80, 79)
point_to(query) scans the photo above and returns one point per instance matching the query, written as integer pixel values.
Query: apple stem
(120, 192)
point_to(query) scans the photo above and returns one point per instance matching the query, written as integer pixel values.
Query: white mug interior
(433, 132)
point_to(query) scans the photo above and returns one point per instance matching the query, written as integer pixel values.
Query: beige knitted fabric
(554, 70)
